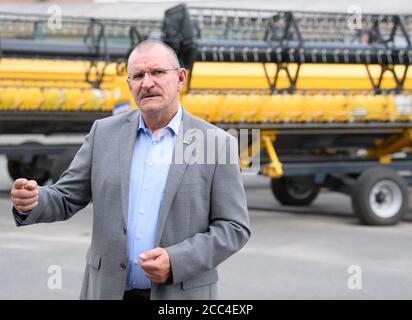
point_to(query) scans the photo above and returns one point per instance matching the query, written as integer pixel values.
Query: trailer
(331, 102)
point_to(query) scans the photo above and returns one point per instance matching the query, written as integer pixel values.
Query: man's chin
(150, 107)
(148, 103)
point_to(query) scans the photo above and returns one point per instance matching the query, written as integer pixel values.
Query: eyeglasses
(154, 74)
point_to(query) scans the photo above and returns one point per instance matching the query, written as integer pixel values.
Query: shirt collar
(173, 124)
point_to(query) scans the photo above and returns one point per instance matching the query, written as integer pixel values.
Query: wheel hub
(380, 197)
(386, 198)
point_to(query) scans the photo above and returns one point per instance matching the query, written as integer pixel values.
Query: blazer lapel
(127, 141)
(175, 175)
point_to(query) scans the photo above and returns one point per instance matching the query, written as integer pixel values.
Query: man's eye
(138, 76)
(158, 72)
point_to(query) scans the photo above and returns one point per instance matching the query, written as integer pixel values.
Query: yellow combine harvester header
(332, 102)
(220, 92)
(51, 85)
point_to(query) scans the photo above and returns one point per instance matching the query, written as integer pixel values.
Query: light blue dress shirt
(150, 165)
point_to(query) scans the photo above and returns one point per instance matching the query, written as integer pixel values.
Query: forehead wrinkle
(141, 67)
(150, 52)
(157, 48)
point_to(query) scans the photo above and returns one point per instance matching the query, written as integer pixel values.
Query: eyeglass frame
(150, 73)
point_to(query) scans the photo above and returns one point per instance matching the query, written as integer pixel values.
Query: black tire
(380, 197)
(17, 169)
(295, 191)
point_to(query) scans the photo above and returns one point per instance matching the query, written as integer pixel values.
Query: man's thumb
(20, 183)
(151, 254)
(31, 185)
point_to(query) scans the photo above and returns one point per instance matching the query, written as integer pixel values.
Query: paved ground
(294, 253)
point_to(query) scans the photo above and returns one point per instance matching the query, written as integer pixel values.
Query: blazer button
(123, 266)
(124, 231)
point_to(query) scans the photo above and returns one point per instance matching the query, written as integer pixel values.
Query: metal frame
(281, 37)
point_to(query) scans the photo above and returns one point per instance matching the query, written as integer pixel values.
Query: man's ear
(182, 79)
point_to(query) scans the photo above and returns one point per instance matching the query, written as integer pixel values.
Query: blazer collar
(176, 170)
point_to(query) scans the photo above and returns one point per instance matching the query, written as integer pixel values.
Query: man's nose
(147, 81)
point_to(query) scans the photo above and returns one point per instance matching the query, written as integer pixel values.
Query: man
(161, 223)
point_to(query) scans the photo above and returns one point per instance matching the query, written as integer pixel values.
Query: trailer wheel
(295, 191)
(380, 197)
(17, 169)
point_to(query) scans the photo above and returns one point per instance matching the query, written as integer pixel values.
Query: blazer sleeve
(229, 223)
(70, 194)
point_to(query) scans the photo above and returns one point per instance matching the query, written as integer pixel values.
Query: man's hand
(24, 195)
(156, 265)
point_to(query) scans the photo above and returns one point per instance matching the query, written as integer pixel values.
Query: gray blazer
(202, 221)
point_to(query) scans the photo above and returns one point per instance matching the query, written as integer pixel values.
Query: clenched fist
(156, 265)
(25, 195)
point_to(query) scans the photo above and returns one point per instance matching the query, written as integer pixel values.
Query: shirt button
(146, 188)
(141, 212)
(123, 266)
(138, 237)
(150, 164)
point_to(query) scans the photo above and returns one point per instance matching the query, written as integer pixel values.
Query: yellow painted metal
(50, 72)
(217, 75)
(53, 97)
(203, 105)
(9, 99)
(228, 108)
(58, 99)
(223, 93)
(274, 168)
(385, 159)
(297, 108)
(73, 99)
(32, 98)
(48, 85)
(30, 84)
(394, 143)
(248, 153)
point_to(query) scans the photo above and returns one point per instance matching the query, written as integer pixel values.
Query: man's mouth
(150, 96)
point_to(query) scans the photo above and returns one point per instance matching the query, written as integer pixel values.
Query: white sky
(132, 9)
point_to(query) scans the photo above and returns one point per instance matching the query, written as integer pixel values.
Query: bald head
(153, 44)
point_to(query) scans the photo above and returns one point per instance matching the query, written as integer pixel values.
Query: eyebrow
(135, 72)
(154, 68)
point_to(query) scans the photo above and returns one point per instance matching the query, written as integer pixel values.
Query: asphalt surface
(294, 253)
